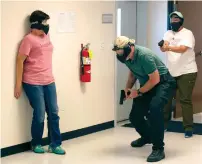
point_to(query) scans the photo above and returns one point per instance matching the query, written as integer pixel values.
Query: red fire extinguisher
(85, 75)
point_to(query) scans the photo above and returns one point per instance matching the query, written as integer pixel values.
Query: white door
(126, 25)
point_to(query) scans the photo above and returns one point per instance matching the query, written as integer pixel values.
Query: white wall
(151, 24)
(142, 23)
(80, 106)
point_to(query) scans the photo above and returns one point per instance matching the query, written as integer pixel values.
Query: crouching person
(157, 86)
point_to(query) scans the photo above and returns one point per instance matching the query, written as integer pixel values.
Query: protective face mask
(39, 26)
(45, 29)
(122, 58)
(175, 26)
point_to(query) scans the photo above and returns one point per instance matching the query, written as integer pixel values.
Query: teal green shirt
(145, 62)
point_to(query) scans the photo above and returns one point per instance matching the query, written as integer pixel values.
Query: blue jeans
(43, 98)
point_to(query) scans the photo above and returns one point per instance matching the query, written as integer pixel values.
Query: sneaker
(188, 134)
(156, 156)
(38, 149)
(58, 150)
(139, 142)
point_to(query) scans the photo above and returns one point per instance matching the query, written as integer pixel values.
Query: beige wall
(80, 106)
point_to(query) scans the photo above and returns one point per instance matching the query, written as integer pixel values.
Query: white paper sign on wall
(66, 22)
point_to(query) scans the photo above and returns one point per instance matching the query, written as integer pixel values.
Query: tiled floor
(113, 147)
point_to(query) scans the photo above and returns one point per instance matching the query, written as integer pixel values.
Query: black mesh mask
(40, 26)
(126, 51)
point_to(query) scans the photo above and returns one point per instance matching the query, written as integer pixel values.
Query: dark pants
(151, 105)
(185, 85)
(44, 99)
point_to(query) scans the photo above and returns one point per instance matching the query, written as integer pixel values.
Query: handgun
(160, 44)
(123, 96)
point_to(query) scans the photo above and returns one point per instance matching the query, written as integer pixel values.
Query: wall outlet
(102, 46)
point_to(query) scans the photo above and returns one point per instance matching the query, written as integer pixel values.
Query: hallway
(113, 147)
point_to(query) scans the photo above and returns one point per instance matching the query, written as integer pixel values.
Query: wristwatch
(139, 93)
(169, 48)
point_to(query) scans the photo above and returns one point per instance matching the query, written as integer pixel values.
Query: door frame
(115, 65)
(115, 72)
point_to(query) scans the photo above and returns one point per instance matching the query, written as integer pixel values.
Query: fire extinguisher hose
(82, 65)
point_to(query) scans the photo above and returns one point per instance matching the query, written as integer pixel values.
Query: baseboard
(176, 127)
(65, 136)
(120, 121)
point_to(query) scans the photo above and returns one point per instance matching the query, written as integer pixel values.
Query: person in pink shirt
(34, 75)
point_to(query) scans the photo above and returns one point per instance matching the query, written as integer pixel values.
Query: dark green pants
(185, 85)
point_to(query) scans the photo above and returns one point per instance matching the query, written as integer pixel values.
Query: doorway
(135, 20)
(126, 25)
(192, 12)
